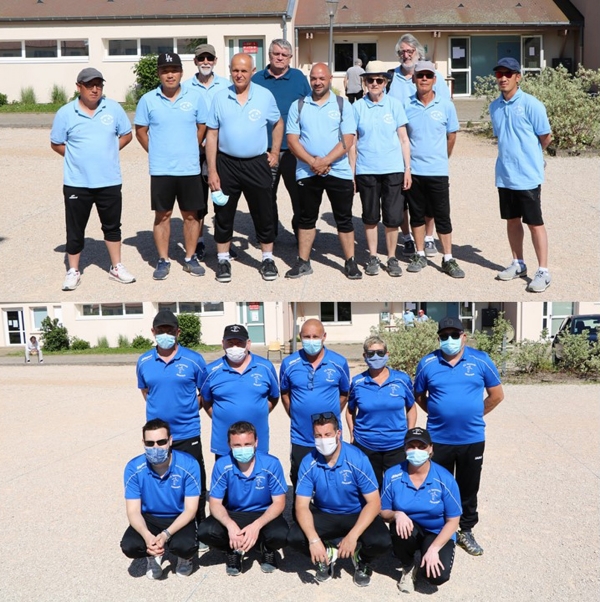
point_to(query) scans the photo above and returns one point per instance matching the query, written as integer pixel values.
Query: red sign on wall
(253, 306)
(250, 47)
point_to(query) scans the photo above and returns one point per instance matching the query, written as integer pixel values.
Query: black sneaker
(351, 269)
(233, 564)
(467, 542)
(392, 267)
(409, 248)
(223, 271)
(451, 268)
(300, 268)
(268, 270)
(417, 263)
(268, 559)
(200, 250)
(372, 267)
(362, 571)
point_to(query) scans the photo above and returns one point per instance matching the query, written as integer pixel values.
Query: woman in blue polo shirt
(381, 407)
(421, 501)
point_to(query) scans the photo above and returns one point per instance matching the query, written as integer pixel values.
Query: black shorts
(186, 189)
(381, 195)
(430, 196)
(525, 204)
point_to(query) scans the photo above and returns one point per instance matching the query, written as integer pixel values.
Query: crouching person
(247, 499)
(162, 488)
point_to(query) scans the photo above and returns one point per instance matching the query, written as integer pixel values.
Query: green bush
(189, 325)
(102, 343)
(78, 344)
(146, 75)
(3, 99)
(578, 355)
(140, 342)
(532, 357)
(58, 95)
(28, 96)
(54, 335)
(493, 343)
(123, 342)
(131, 97)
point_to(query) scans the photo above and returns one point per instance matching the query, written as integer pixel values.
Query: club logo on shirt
(437, 115)
(180, 369)
(254, 115)
(387, 118)
(519, 110)
(175, 481)
(329, 375)
(186, 106)
(469, 369)
(259, 482)
(436, 496)
(334, 115)
(394, 390)
(107, 119)
(257, 378)
(346, 477)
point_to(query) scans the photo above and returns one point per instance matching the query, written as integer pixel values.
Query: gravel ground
(32, 238)
(63, 510)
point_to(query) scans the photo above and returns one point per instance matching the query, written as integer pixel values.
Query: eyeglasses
(159, 442)
(205, 57)
(91, 85)
(424, 75)
(506, 74)
(323, 415)
(379, 352)
(452, 335)
(409, 52)
(284, 55)
(375, 80)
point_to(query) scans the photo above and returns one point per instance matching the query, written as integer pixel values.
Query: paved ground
(71, 431)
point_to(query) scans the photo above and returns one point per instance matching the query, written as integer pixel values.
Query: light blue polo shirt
(236, 397)
(517, 123)
(402, 89)
(455, 401)
(319, 131)
(92, 143)
(313, 390)
(252, 493)
(427, 129)
(173, 131)
(243, 128)
(377, 145)
(337, 489)
(173, 389)
(429, 506)
(218, 83)
(380, 421)
(163, 496)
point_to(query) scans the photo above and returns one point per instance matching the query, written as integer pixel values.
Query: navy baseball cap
(168, 58)
(453, 323)
(235, 331)
(417, 434)
(508, 63)
(165, 317)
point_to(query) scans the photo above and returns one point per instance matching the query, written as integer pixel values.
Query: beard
(205, 71)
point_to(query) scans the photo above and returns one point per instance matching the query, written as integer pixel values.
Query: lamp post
(332, 6)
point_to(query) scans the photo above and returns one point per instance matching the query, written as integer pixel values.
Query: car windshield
(581, 323)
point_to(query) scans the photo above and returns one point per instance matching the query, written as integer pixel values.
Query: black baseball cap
(88, 74)
(235, 331)
(169, 59)
(453, 323)
(165, 317)
(417, 434)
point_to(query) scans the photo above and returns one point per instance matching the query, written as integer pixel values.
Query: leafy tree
(146, 75)
(189, 325)
(54, 335)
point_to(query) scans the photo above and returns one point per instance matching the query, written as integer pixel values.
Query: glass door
(460, 65)
(15, 328)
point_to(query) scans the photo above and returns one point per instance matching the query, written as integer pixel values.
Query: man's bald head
(321, 68)
(312, 328)
(242, 58)
(242, 69)
(320, 81)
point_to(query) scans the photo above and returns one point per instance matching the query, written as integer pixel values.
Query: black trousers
(382, 460)
(465, 463)
(183, 544)
(193, 446)
(419, 539)
(273, 535)
(375, 539)
(286, 169)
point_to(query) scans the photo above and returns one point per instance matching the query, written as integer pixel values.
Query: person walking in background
(353, 84)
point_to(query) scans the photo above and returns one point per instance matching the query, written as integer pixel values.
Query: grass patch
(113, 351)
(19, 107)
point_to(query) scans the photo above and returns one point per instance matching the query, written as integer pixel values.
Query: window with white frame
(202, 308)
(138, 47)
(43, 49)
(531, 54)
(110, 310)
(37, 316)
(460, 65)
(554, 313)
(336, 311)
(345, 53)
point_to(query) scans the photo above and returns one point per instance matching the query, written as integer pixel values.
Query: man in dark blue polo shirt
(247, 499)
(161, 496)
(337, 498)
(287, 85)
(449, 385)
(169, 377)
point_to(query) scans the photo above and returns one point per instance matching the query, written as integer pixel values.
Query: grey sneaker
(268, 270)
(72, 280)
(511, 272)
(406, 585)
(372, 266)
(430, 248)
(540, 282)
(325, 572)
(452, 268)
(466, 541)
(409, 248)
(153, 568)
(184, 567)
(223, 271)
(362, 571)
(193, 266)
(233, 564)
(163, 267)
(300, 268)
(351, 269)
(202, 548)
(392, 267)
(417, 263)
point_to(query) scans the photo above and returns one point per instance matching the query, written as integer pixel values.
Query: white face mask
(326, 445)
(235, 354)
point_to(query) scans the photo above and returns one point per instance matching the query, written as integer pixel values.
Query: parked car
(576, 325)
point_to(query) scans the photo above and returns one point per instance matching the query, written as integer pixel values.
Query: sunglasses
(90, 85)
(160, 442)
(452, 335)
(506, 74)
(378, 352)
(425, 75)
(375, 80)
(322, 415)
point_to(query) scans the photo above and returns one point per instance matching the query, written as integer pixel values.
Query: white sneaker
(120, 274)
(72, 280)
(154, 570)
(184, 567)
(540, 282)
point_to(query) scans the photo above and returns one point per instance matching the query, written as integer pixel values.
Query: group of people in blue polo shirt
(357, 499)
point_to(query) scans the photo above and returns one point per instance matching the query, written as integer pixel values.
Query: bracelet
(310, 543)
(167, 533)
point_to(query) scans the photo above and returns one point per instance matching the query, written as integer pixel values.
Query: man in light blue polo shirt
(449, 385)
(161, 498)
(239, 386)
(432, 127)
(247, 499)
(521, 125)
(170, 125)
(239, 162)
(89, 132)
(381, 161)
(169, 377)
(337, 498)
(320, 131)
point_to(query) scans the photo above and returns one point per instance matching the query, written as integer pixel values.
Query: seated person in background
(33, 347)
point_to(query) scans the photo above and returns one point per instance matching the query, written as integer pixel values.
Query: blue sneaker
(162, 270)
(193, 266)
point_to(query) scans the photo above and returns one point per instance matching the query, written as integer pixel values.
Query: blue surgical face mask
(157, 455)
(377, 362)
(243, 454)
(165, 341)
(417, 457)
(451, 346)
(218, 198)
(312, 346)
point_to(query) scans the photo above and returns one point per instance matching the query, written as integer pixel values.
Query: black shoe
(200, 251)
(234, 564)
(362, 571)
(372, 266)
(351, 269)
(268, 270)
(223, 271)
(300, 268)
(409, 248)
(268, 559)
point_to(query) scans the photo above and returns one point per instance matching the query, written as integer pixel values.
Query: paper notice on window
(532, 51)
(458, 52)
